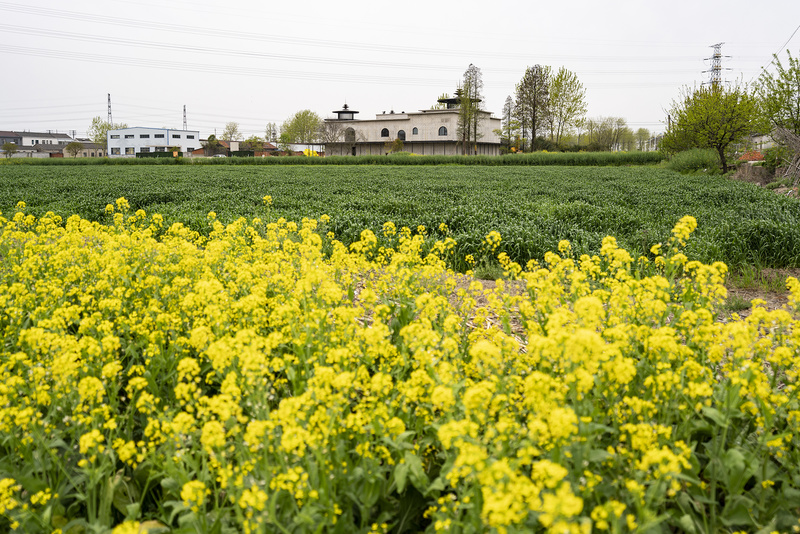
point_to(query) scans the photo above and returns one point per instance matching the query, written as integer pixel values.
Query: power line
(129, 43)
(300, 41)
(787, 41)
(778, 51)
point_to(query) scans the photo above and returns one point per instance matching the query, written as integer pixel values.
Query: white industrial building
(128, 142)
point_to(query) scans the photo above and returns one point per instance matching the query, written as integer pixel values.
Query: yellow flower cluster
(267, 378)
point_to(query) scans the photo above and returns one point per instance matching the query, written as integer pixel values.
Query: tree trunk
(721, 152)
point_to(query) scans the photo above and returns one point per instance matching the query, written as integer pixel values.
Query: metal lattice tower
(715, 72)
(184, 118)
(109, 109)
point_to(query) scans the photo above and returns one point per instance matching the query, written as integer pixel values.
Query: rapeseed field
(266, 377)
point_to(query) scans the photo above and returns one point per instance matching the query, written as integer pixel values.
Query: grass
(697, 160)
(751, 277)
(734, 304)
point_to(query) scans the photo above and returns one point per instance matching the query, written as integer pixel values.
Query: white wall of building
(127, 142)
(427, 123)
(43, 138)
(420, 131)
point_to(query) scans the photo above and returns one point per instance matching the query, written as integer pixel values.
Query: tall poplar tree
(567, 103)
(532, 100)
(470, 96)
(509, 125)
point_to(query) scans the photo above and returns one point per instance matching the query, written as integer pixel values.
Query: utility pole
(109, 109)
(184, 118)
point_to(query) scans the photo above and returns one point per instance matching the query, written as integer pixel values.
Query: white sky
(257, 62)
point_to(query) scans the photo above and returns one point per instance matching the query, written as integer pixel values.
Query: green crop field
(532, 207)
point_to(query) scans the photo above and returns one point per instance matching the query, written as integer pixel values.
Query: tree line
(548, 111)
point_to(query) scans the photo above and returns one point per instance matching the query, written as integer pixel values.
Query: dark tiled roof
(50, 148)
(44, 135)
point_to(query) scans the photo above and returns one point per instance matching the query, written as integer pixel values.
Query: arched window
(442, 130)
(349, 135)
(415, 131)
(401, 135)
(385, 132)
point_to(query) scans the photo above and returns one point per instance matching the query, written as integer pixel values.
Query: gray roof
(49, 148)
(44, 135)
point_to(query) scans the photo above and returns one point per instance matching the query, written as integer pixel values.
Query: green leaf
(153, 527)
(687, 524)
(400, 475)
(416, 473)
(737, 512)
(125, 494)
(132, 510)
(171, 484)
(436, 485)
(597, 455)
(737, 470)
(716, 416)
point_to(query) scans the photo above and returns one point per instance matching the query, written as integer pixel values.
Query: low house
(10, 137)
(424, 132)
(30, 139)
(243, 148)
(46, 150)
(128, 142)
(89, 150)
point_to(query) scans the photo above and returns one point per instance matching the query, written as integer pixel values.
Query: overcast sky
(259, 62)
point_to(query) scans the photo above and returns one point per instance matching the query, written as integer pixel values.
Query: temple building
(425, 132)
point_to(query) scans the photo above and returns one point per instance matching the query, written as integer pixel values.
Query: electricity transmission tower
(109, 109)
(715, 72)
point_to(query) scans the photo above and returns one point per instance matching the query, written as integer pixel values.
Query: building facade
(128, 142)
(30, 139)
(425, 132)
(89, 150)
(10, 137)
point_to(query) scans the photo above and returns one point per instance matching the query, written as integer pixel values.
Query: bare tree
(331, 131)
(271, 134)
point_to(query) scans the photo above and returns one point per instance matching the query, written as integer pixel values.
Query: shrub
(398, 158)
(697, 160)
(776, 156)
